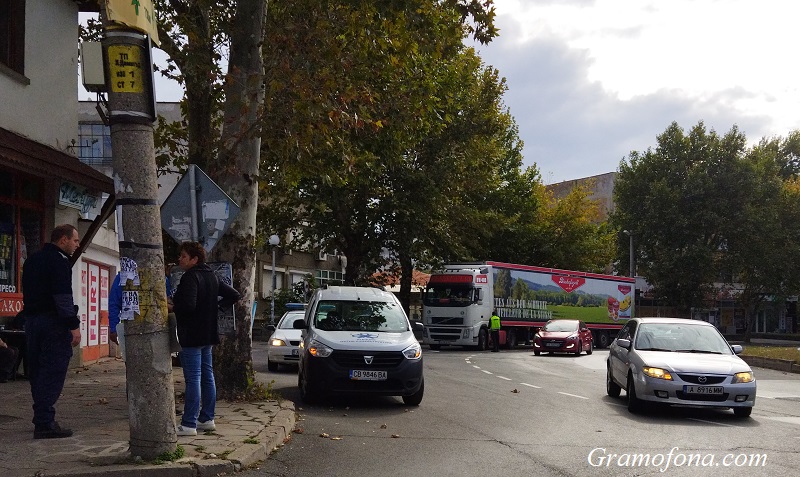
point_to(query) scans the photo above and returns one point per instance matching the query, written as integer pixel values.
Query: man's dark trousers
(48, 354)
(495, 340)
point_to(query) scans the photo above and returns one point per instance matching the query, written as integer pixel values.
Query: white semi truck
(459, 300)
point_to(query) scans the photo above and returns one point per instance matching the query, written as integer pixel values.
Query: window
(12, 34)
(330, 277)
(95, 144)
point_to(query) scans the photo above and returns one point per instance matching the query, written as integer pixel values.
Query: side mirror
(737, 349)
(417, 326)
(623, 343)
(299, 324)
(271, 328)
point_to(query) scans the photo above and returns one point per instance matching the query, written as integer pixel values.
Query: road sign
(197, 210)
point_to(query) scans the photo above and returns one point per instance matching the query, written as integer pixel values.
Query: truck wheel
(603, 340)
(511, 339)
(483, 340)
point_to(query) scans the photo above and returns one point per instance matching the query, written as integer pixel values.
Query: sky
(589, 81)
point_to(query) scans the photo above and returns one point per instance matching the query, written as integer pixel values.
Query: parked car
(677, 361)
(283, 346)
(563, 336)
(358, 340)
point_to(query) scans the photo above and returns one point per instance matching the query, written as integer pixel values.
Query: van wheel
(416, 398)
(742, 411)
(306, 394)
(483, 340)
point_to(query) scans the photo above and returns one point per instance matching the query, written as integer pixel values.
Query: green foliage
(178, 453)
(705, 211)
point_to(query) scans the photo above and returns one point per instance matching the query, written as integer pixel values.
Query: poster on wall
(94, 305)
(83, 305)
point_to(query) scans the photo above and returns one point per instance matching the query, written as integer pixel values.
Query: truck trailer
(459, 300)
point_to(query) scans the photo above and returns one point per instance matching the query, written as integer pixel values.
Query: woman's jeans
(201, 391)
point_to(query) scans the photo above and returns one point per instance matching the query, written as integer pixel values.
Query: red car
(563, 336)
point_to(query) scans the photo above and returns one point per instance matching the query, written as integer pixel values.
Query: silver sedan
(677, 361)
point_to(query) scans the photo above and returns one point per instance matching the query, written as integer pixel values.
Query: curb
(785, 365)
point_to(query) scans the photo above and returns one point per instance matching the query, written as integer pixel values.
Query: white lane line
(503, 377)
(573, 395)
(476, 367)
(531, 385)
(487, 372)
(711, 422)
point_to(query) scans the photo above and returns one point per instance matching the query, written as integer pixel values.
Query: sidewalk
(94, 406)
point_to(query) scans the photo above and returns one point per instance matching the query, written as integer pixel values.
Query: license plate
(703, 389)
(295, 352)
(552, 345)
(361, 375)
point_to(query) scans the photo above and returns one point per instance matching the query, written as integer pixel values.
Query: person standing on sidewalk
(52, 326)
(494, 326)
(195, 303)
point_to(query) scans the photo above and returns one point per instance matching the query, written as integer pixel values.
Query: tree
(711, 217)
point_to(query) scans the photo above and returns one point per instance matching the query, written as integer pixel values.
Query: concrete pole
(131, 112)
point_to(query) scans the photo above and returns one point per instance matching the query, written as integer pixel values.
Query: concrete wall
(41, 105)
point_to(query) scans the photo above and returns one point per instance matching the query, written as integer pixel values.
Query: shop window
(12, 35)
(8, 250)
(30, 233)
(6, 185)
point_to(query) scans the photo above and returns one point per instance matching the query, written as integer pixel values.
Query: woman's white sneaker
(206, 426)
(185, 431)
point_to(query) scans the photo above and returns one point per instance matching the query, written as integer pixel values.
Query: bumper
(550, 346)
(283, 354)
(672, 393)
(332, 377)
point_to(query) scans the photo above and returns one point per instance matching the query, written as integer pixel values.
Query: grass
(780, 352)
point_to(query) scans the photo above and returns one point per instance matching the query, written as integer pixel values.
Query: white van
(358, 340)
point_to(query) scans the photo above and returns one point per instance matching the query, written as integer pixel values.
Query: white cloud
(592, 80)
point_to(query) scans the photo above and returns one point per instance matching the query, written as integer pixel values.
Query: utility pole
(131, 114)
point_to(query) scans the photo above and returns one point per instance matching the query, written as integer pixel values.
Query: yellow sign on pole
(136, 14)
(126, 69)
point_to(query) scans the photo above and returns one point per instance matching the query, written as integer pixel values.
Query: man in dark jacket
(195, 303)
(52, 327)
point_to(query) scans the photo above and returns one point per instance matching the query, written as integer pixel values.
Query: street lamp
(632, 272)
(274, 240)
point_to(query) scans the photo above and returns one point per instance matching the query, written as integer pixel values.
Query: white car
(284, 344)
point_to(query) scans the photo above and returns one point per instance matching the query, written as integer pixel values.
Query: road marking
(711, 422)
(476, 366)
(487, 372)
(531, 385)
(788, 419)
(503, 377)
(573, 395)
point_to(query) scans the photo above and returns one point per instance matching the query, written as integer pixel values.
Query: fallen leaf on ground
(515, 390)
(325, 435)
(395, 436)
(337, 438)
(384, 426)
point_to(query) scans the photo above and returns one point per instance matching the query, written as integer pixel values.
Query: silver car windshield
(680, 338)
(287, 323)
(360, 316)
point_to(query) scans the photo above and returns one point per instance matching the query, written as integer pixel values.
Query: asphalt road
(511, 413)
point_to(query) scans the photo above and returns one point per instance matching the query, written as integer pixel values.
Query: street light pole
(632, 272)
(274, 240)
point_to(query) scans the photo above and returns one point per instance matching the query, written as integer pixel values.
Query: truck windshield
(449, 295)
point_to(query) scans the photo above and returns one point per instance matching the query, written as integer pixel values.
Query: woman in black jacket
(195, 303)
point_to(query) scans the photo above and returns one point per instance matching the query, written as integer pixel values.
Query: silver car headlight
(413, 352)
(277, 342)
(744, 377)
(319, 350)
(657, 373)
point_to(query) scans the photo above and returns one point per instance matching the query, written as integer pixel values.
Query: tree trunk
(406, 281)
(237, 172)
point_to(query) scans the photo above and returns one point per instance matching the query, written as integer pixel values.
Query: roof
(355, 294)
(662, 319)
